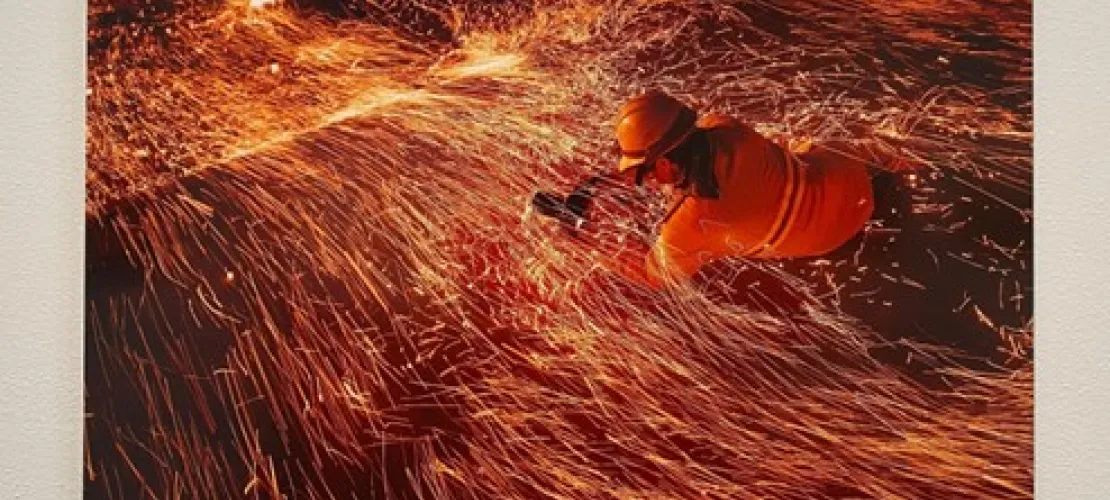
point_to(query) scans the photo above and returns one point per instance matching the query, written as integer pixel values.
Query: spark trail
(310, 276)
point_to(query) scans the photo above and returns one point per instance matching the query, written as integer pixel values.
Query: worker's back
(772, 203)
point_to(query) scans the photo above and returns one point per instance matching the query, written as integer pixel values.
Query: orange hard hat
(649, 126)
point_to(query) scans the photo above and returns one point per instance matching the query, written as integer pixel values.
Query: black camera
(572, 209)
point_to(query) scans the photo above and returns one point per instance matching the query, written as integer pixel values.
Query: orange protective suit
(773, 204)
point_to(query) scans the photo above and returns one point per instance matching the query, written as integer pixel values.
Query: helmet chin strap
(642, 171)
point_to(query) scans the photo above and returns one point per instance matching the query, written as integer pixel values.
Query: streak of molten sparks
(333, 292)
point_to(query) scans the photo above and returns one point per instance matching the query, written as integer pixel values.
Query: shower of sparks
(310, 276)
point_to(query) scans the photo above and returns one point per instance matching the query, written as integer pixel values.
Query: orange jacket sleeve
(687, 241)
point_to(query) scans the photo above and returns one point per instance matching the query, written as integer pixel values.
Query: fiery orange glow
(312, 275)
